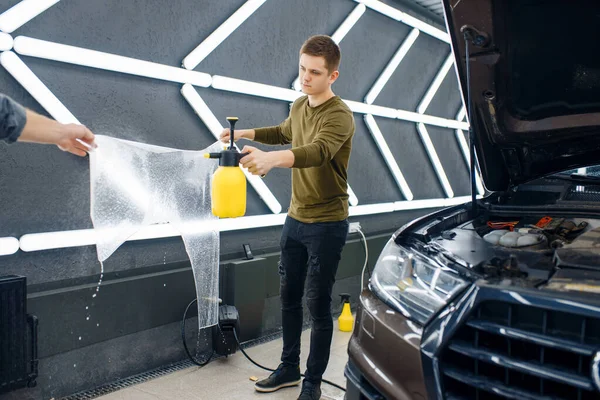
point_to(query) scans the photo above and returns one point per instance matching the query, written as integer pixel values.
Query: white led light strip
(6, 42)
(21, 13)
(86, 237)
(209, 119)
(430, 120)
(8, 246)
(435, 85)
(96, 59)
(406, 19)
(424, 135)
(341, 31)
(464, 146)
(435, 160)
(15, 66)
(221, 33)
(388, 156)
(254, 89)
(352, 199)
(391, 67)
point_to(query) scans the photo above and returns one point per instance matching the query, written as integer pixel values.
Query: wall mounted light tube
(435, 85)
(430, 120)
(388, 157)
(23, 12)
(8, 246)
(6, 42)
(435, 160)
(17, 68)
(86, 237)
(392, 66)
(406, 19)
(352, 199)
(254, 89)
(192, 60)
(464, 147)
(111, 62)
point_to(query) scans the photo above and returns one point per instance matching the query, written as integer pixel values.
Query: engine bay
(548, 232)
(551, 252)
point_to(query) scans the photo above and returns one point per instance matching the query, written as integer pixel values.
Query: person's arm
(261, 162)
(280, 134)
(20, 124)
(67, 137)
(238, 134)
(327, 142)
(12, 119)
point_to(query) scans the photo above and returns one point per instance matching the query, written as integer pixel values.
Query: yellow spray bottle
(346, 320)
(228, 191)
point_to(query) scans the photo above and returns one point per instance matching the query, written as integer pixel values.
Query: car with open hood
(499, 298)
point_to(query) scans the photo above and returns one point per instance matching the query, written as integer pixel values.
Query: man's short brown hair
(323, 46)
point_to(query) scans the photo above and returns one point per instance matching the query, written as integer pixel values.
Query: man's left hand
(257, 161)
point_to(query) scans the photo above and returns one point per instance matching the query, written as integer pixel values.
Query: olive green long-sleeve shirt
(321, 139)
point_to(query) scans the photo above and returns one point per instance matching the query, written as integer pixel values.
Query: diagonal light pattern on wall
(392, 66)
(23, 12)
(30, 82)
(28, 9)
(192, 60)
(424, 134)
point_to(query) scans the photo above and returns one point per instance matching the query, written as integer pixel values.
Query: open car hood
(535, 84)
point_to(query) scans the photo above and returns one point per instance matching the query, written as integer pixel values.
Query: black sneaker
(284, 376)
(310, 391)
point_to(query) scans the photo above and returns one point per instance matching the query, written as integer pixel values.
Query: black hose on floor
(192, 358)
(272, 370)
(201, 364)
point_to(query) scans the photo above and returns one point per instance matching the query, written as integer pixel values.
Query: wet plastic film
(134, 185)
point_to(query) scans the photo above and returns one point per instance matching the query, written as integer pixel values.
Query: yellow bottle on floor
(228, 188)
(346, 320)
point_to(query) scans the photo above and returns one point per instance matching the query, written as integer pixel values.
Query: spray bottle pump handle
(232, 121)
(345, 298)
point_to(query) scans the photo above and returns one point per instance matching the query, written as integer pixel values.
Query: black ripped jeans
(310, 251)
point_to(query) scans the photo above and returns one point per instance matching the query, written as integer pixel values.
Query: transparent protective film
(134, 185)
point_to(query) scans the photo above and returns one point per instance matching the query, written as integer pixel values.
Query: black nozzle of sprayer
(229, 157)
(232, 121)
(345, 298)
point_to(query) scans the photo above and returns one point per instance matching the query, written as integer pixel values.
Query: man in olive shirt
(320, 128)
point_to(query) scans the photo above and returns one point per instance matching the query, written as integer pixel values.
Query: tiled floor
(230, 378)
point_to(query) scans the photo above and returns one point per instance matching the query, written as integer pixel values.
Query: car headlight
(415, 286)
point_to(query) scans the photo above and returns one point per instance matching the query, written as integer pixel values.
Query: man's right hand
(237, 135)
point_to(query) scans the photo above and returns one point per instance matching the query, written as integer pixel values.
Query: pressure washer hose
(202, 364)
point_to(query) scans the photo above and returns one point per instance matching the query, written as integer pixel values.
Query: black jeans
(313, 251)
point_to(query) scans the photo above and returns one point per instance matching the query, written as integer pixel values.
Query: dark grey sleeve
(12, 119)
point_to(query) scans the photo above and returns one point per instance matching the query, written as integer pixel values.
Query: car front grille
(518, 351)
